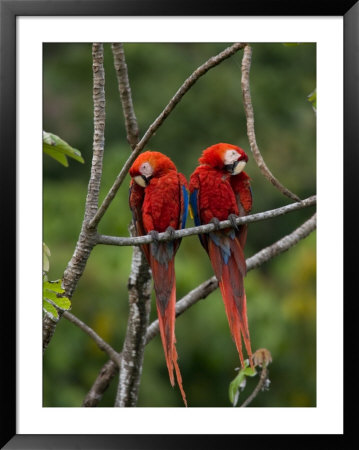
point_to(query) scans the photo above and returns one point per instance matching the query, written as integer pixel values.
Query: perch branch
(247, 101)
(200, 292)
(87, 237)
(190, 81)
(139, 240)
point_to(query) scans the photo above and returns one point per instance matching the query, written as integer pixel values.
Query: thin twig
(261, 382)
(125, 93)
(247, 101)
(200, 292)
(190, 81)
(139, 240)
(87, 237)
(102, 345)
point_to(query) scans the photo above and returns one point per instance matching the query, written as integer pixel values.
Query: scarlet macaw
(159, 203)
(220, 190)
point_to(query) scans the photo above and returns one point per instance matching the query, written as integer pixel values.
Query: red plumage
(158, 200)
(219, 188)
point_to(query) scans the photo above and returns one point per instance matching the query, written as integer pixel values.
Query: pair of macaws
(219, 190)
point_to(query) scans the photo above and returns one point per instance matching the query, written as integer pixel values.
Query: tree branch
(200, 292)
(139, 240)
(125, 93)
(87, 237)
(247, 101)
(102, 345)
(190, 81)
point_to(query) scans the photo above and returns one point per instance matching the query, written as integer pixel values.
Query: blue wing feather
(185, 204)
(194, 205)
(197, 220)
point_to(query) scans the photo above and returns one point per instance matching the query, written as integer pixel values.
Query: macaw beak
(236, 167)
(141, 180)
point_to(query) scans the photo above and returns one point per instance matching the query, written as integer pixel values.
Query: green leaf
(58, 156)
(60, 302)
(58, 149)
(50, 309)
(63, 303)
(51, 295)
(239, 382)
(312, 97)
(291, 44)
(54, 286)
(45, 257)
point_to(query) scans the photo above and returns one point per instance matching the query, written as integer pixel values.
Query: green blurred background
(281, 294)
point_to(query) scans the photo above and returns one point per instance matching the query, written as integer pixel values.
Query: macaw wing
(136, 196)
(243, 194)
(196, 217)
(184, 206)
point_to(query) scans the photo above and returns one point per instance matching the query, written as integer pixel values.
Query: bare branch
(283, 244)
(102, 345)
(87, 237)
(247, 101)
(125, 93)
(139, 240)
(190, 81)
(210, 285)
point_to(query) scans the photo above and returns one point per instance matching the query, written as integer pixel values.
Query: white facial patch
(230, 156)
(146, 169)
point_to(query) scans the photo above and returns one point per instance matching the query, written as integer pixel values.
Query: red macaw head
(148, 165)
(225, 157)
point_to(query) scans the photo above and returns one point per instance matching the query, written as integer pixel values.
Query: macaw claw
(170, 232)
(154, 235)
(232, 218)
(215, 222)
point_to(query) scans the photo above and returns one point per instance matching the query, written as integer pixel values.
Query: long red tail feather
(230, 278)
(165, 288)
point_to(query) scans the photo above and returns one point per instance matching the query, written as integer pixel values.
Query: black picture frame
(9, 10)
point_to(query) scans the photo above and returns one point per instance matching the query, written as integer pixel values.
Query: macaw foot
(215, 222)
(154, 235)
(232, 218)
(170, 232)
